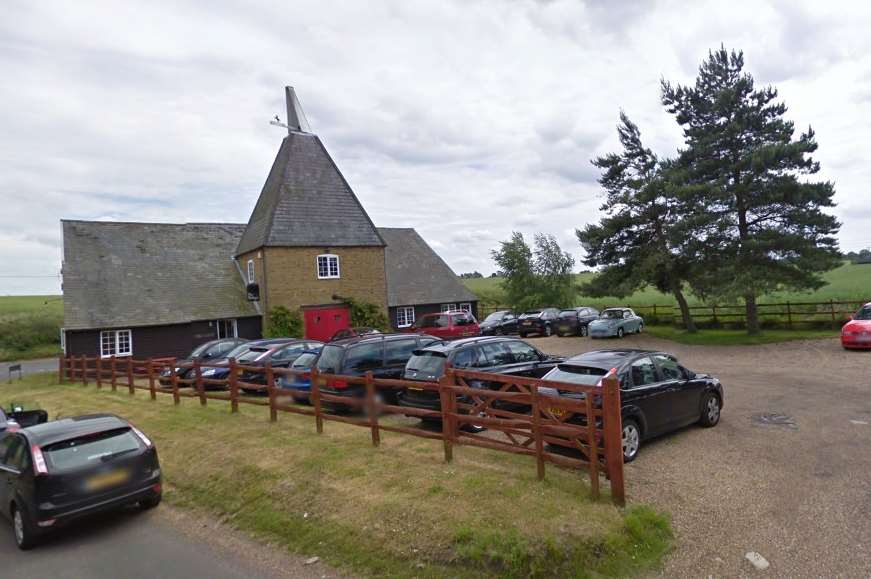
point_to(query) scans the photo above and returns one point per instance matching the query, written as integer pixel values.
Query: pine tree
(747, 181)
(641, 240)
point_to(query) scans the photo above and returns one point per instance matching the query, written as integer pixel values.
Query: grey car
(615, 323)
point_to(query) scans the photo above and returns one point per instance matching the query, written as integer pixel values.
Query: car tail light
(145, 440)
(157, 487)
(339, 384)
(38, 460)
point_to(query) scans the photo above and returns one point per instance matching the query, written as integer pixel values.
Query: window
(227, 329)
(496, 354)
(466, 307)
(289, 353)
(330, 360)
(523, 352)
(433, 322)
(251, 278)
(464, 320)
(328, 266)
(363, 357)
(465, 358)
(643, 372)
(669, 366)
(397, 352)
(116, 343)
(404, 316)
(85, 451)
(448, 308)
(16, 456)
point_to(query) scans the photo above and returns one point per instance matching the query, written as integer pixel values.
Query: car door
(396, 356)
(525, 360)
(14, 458)
(509, 323)
(648, 393)
(687, 397)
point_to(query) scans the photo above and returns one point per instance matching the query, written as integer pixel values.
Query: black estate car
(213, 350)
(280, 356)
(574, 321)
(657, 394)
(54, 472)
(539, 322)
(384, 355)
(499, 323)
(485, 354)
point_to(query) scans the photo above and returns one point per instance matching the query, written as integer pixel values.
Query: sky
(466, 120)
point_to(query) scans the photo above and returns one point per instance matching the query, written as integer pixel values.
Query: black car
(346, 333)
(491, 354)
(384, 355)
(57, 471)
(539, 322)
(574, 321)
(213, 350)
(17, 417)
(657, 394)
(280, 356)
(499, 323)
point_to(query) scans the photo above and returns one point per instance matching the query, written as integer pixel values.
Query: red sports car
(857, 332)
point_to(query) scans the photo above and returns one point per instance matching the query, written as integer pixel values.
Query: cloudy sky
(466, 120)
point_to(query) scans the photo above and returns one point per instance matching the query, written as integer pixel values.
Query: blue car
(299, 385)
(615, 322)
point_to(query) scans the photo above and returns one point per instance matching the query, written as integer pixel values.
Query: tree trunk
(685, 314)
(752, 314)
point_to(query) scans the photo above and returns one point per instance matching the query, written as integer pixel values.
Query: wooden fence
(572, 433)
(787, 314)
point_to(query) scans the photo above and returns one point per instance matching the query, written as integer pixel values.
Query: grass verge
(720, 337)
(396, 511)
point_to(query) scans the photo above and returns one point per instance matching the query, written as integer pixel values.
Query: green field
(30, 326)
(848, 282)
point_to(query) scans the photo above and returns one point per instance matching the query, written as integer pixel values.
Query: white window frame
(251, 276)
(114, 341)
(63, 340)
(406, 314)
(330, 258)
(466, 307)
(449, 308)
(235, 329)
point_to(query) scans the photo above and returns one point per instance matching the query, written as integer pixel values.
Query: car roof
(345, 342)
(271, 341)
(66, 428)
(607, 359)
(447, 347)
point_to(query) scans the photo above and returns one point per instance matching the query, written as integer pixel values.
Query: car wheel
(710, 410)
(148, 504)
(25, 534)
(521, 334)
(619, 332)
(584, 331)
(547, 330)
(631, 440)
(640, 328)
(474, 428)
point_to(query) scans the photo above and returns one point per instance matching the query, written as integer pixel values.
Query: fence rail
(517, 417)
(787, 314)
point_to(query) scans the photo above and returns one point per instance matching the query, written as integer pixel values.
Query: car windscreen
(863, 314)
(238, 351)
(253, 354)
(568, 314)
(612, 314)
(530, 314)
(89, 451)
(200, 350)
(305, 361)
(330, 360)
(584, 375)
(430, 364)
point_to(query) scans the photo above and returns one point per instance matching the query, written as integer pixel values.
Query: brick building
(160, 289)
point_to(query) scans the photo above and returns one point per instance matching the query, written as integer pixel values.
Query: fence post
(536, 432)
(832, 308)
(60, 369)
(316, 400)
(714, 314)
(788, 315)
(371, 409)
(149, 365)
(234, 387)
(84, 370)
(198, 375)
(270, 391)
(593, 448)
(445, 393)
(130, 386)
(176, 399)
(654, 313)
(99, 370)
(112, 369)
(613, 432)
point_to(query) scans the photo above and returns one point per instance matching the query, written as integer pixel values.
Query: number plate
(107, 479)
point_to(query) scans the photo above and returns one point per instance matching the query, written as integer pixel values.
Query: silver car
(616, 322)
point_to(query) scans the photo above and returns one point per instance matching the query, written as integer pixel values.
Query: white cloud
(466, 120)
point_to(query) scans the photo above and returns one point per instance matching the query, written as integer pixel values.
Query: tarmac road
(28, 367)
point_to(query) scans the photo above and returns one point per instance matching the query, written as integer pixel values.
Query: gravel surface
(799, 495)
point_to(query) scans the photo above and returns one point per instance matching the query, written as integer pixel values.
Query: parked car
(509, 356)
(447, 325)
(299, 385)
(540, 321)
(856, 334)
(615, 322)
(213, 350)
(499, 323)
(245, 354)
(346, 333)
(55, 472)
(17, 417)
(384, 355)
(574, 321)
(280, 355)
(657, 394)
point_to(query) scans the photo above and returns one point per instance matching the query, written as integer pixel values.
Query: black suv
(539, 322)
(487, 354)
(385, 355)
(573, 321)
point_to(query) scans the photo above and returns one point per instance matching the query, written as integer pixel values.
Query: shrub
(367, 315)
(283, 323)
(23, 332)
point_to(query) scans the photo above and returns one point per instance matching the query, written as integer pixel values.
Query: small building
(148, 289)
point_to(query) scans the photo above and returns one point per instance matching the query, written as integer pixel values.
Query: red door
(321, 322)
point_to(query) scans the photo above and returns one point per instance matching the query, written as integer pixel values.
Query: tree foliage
(367, 315)
(535, 278)
(283, 323)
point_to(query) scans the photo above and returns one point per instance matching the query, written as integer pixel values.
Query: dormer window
(251, 271)
(328, 266)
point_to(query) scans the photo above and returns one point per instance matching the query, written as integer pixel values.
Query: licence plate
(107, 479)
(414, 388)
(526, 323)
(559, 413)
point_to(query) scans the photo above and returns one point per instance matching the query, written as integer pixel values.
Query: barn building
(154, 289)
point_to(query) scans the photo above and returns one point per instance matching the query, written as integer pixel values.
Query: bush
(283, 323)
(366, 315)
(25, 332)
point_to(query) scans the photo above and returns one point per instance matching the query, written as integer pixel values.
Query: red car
(447, 326)
(857, 332)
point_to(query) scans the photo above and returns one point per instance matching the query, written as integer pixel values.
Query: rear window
(330, 361)
(363, 357)
(441, 321)
(575, 375)
(427, 363)
(304, 361)
(88, 451)
(398, 352)
(253, 354)
(530, 314)
(463, 320)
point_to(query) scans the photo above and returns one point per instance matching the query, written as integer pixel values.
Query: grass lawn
(396, 511)
(720, 337)
(30, 327)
